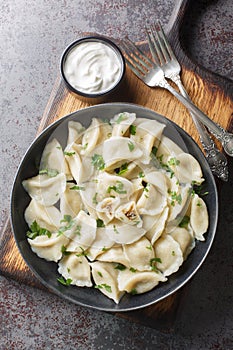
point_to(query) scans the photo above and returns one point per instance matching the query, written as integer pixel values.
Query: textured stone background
(33, 35)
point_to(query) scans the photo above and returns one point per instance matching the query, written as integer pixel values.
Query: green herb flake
(36, 230)
(173, 161)
(123, 168)
(64, 251)
(198, 189)
(105, 286)
(82, 253)
(153, 263)
(173, 253)
(66, 218)
(115, 229)
(154, 150)
(175, 197)
(100, 223)
(149, 247)
(49, 172)
(69, 154)
(166, 167)
(99, 273)
(132, 269)
(77, 188)
(121, 118)
(134, 291)
(98, 161)
(131, 146)
(141, 174)
(65, 282)
(120, 267)
(78, 230)
(184, 222)
(132, 129)
(118, 188)
(94, 199)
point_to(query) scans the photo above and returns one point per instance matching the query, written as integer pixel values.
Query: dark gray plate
(46, 272)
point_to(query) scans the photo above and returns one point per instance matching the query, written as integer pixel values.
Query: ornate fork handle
(216, 159)
(221, 134)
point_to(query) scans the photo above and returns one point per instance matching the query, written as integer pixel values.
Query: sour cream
(93, 67)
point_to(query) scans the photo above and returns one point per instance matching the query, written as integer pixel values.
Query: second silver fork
(164, 57)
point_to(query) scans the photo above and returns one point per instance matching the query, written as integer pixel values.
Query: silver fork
(153, 75)
(163, 56)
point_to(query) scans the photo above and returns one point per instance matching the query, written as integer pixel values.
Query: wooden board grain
(212, 93)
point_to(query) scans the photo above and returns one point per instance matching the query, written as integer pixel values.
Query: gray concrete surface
(33, 36)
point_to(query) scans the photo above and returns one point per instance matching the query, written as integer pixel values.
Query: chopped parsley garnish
(69, 154)
(66, 219)
(94, 199)
(146, 191)
(36, 230)
(149, 247)
(49, 172)
(100, 223)
(78, 230)
(175, 197)
(165, 166)
(184, 222)
(154, 150)
(105, 286)
(115, 229)
(64, 251)
(82, 253)
(132, 269)
(120, 267)
(198, 188)
(153, 263)
(118, 188)
(173, 161)
(134, 291)
(121, 118)
(65, 282)
(78, 188)
(173, 253)
(132, 129)
(99, 273)
(98, 161)
(123, 168)
(141, 174)
(131, 146)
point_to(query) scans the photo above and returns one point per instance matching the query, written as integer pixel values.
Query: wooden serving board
(212, 93)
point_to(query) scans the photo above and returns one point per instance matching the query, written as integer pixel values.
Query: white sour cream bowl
(92, 67)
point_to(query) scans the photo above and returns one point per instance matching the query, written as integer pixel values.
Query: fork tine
(162, 46)
(136, 55)
(136, 71)
(155, 47)
(165, 40)
(152, 45)
(133, 62)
